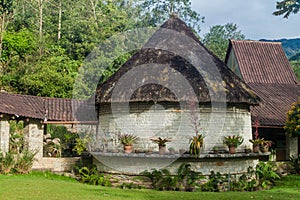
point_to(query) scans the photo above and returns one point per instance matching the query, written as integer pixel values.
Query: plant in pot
(265, 145)
(161, 144)
(256, 144)
(233, 142)
(196, 143)
(128, 140)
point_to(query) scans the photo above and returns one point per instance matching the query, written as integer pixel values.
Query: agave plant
(233, 141)
(196, 143)
(128, 139)
(160, 141)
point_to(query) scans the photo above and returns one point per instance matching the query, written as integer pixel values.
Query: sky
(253, 17)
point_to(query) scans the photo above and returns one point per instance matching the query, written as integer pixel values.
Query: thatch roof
(166, 49)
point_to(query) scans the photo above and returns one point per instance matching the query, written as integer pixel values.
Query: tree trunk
(2, 31)
(40, 3)
(59, 21)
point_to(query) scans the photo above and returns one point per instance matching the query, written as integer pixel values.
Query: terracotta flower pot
(128, 148)
(232, 149)
(162, 150)
(255, 148)
(264, 149)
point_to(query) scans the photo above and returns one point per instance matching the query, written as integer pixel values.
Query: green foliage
(93, 177)
(234, 140)
(196, 143)
(161, 141)
(81, 145)
(128, 139)
(185, 179)
(161, 179)
(65, 144)
(295, 163)
(217, 39)
(214, 181)
(24, 162)
(19, 159)
(155, 12)
(266, 174)
(287, 7)
(7, 162)
(292, 126)
(296, 68)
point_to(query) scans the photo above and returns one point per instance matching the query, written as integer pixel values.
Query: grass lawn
(47, 186)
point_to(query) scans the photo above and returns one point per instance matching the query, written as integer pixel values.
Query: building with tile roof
(266, 70)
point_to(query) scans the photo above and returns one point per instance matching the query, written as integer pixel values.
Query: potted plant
(264, 146)
(215, 150)
(161, 144)
(233, 142)
(196, 143)
(128, 140)
(256, 144)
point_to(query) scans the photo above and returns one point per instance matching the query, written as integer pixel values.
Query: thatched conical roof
(171, 63)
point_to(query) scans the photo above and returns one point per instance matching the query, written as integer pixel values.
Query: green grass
(47, 186)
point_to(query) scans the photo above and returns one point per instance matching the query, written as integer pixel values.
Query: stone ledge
(172, 156)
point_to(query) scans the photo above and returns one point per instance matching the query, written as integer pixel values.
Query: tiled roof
(262, 62)
(276, 102)
(44, 108)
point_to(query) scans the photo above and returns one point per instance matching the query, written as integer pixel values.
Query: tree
(217, 39)
(287, 7)
(296, 67)
(292, 125)
(6, 12)
(155, 12)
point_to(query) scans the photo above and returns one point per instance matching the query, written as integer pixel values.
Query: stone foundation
(133, 164)
(55, 164)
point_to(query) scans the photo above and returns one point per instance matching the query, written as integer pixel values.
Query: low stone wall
(55, 164)
(133, 164)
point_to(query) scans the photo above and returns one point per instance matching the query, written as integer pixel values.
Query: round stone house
(172, 88)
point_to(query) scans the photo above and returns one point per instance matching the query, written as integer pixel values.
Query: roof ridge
(256, 41)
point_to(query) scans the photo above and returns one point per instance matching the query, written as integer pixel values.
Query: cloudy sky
(254, 18)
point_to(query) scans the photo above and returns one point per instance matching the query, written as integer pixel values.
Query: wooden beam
(70, 122)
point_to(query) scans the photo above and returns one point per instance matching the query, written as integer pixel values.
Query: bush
(214, 181)
(186, 179)
(295, 164)
(7, 162)
(93, 177)
(24, 162)
(292, 125)
(266, 175)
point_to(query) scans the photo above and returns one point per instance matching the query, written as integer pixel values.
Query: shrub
(186, 179)
(93, 177)
(266, 175)
(7, 162)
(295, 164)
(24, 162)
(214, 181)
(292, 125)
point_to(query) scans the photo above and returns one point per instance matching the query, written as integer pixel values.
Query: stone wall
(55, 164)
(292, 147)
(4, 134)
(135, 164)
(34, 132)
(148, 120)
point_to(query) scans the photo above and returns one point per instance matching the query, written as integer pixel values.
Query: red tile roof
(45, 108)
(276, 102)
(262, 62)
